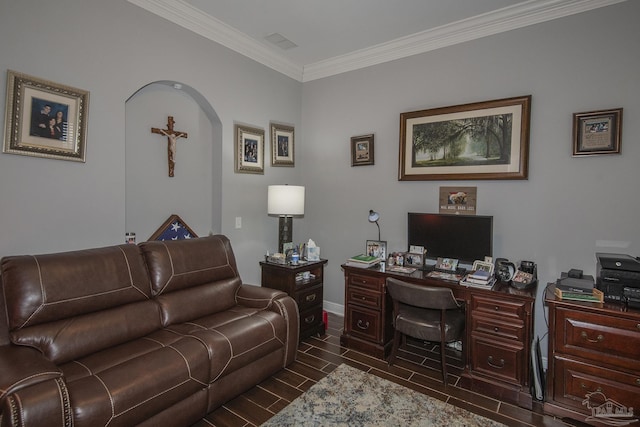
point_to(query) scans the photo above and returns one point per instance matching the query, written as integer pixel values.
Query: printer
(618, 277)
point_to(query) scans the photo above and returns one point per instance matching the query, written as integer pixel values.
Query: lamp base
(285, 232)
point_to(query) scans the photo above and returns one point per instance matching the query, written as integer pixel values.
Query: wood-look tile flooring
(417, 368)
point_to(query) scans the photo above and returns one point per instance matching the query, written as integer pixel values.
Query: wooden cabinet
(497, 341)
(594, 359)
(499, 331)
(307, 291)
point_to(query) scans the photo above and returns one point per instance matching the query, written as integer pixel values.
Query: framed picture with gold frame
(45, 119)
(282, 145)
(249, 150)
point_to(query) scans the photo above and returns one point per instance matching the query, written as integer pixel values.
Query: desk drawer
(574, 380)
(495, 327)
(364, 323)
(513, 310)
(364, 297)
(498, 360)
(606, 339)
(309, 297)
(369, 282)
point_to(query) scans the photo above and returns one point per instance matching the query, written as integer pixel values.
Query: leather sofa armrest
(21, 367)
(257, 296)
(281, 303)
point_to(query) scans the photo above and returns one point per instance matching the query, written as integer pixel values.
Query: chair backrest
(421, 296)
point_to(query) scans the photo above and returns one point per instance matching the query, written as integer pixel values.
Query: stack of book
(568, 288)
(479, 278)
(363, 261)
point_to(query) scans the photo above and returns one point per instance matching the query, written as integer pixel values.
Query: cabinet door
(498, 359)
(364, 323)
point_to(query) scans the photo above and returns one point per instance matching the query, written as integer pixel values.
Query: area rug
(350, 397)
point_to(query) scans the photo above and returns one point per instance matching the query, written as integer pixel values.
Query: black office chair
(425, 313)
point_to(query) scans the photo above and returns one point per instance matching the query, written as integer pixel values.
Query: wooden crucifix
(172, 136)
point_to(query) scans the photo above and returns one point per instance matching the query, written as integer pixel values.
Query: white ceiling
(335, 36)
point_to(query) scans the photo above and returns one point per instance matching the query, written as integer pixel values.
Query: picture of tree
(463, 142)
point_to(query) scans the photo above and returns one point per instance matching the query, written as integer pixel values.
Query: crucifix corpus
(172, 136)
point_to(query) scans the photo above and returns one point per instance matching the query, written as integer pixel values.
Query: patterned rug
(350, 397)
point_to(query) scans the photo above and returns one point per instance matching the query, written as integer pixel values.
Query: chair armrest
(22, 367)
(257, 296)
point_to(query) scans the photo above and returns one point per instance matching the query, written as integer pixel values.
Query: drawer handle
(497, 308)
(310, 319)
(638, 381)
(598, 339)
(311, 297)
(362, 325)
(490, 363)
(584, 387)
(496, 329)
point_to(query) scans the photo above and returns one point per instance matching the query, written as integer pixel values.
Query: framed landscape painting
(483, 140)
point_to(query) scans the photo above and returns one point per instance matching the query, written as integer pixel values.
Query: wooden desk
(497, 341)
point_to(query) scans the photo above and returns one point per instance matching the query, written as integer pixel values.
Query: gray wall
(559, 216)
(113, 49)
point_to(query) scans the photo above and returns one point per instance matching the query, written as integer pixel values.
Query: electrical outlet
(238, 222)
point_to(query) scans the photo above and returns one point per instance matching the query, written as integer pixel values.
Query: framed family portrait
(483, 140)
(249, 152)
(362, 150)
(597, 132)
(282, 145)
(45, 119)
(377, 248)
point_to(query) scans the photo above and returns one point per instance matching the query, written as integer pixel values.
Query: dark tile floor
(416, 368)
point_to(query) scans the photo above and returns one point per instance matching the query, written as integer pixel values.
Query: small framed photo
(362, 150)
(446, 264)
(282, 145)
(377, 248)
(249, 152)
(45, 119)
(415, 249)
(597, 132)
(414, 260)
(483, 265)
(174, 228)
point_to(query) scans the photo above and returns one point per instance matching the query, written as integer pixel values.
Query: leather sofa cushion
(192, 277)
(115, 389)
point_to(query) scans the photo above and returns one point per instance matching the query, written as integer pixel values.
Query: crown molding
(185, 15)
(506, 19)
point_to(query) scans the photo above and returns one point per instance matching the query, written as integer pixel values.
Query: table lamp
(285, 201)
(374, 217)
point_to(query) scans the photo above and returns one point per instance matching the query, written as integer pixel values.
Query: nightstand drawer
(364, 297)
(600, 338)
(364, 323)
(498, 360)
(494, 327)
(309, 297)
(310, 318)
(574, 381)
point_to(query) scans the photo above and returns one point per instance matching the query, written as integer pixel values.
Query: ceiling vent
(281, 41)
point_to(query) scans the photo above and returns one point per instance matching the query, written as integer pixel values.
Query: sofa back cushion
(192, 278)
(71, 304)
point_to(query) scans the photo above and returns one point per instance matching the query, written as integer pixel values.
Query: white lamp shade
(285, 200)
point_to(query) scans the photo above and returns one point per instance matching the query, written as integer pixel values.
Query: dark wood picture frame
(362, 150)
(482, 140)
(597, 132)
(45, 119)
(174, 228)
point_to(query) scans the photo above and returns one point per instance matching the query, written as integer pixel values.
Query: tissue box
(313, 253)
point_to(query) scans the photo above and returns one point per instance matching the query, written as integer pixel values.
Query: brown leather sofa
(155, 334)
